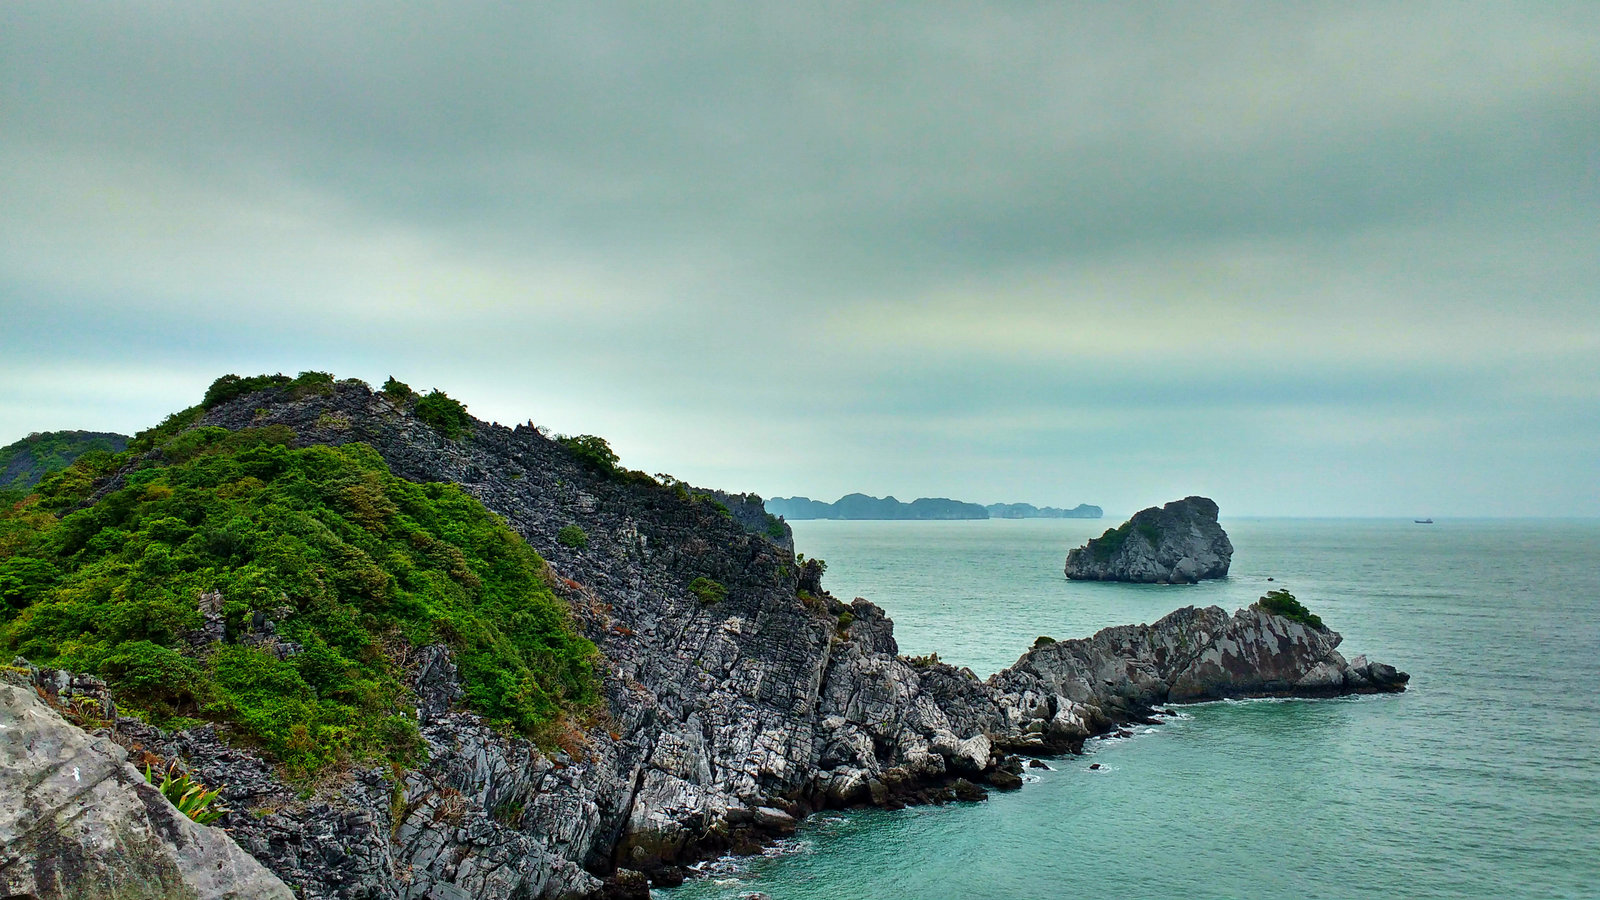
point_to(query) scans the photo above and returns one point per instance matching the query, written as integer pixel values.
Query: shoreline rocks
(1179, 543)
(727, 722)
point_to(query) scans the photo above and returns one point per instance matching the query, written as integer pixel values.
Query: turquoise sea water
(1482, 781)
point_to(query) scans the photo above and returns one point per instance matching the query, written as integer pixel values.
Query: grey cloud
(829, 219)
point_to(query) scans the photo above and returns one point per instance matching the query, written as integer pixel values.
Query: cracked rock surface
(78, 822)
(728, 721)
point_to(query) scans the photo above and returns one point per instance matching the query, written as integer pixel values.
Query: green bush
(592, 451)
(397, 391)
(573, 536)
(1106, 545)
(846, 619)
(1283, 603)
(229, 387)
(708, 591)
(447, 416)
(353, 564)
(718, 506)
(1043, 640)
(191, 797)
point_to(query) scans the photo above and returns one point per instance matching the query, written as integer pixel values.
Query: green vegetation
(592, 451)
(189, 796)
(717, 505)
(354, 565)
(1106, 545)
(846, 619)
(24, 463)
(230, 387)
(447, 416)
(1043, 640)
(774, 527)
(708, 591)
(1283, 603)
(573, 536)
(397, 391)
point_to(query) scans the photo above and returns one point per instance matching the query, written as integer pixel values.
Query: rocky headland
(728, 714)
(1179, 543)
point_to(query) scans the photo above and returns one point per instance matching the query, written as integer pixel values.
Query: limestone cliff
(728, 718)
(1177, 543)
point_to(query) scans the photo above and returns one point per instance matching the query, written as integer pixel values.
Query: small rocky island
(1179, 543)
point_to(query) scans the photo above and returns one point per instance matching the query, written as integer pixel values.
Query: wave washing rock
(728, 721)
(1179, 543)
(77, 822)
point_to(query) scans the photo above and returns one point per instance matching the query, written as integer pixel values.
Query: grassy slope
(356, 566)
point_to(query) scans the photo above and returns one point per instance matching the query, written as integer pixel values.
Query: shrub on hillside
(353, 564)
(447, 416)
(708, 591)
(573, 536)
(591, 451)
(1283, 603)
(397, 391)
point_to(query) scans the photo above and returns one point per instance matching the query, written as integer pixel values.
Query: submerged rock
(1179, 543)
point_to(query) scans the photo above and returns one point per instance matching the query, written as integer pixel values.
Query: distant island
(1029, 511)
(861, 506)
(25, 462)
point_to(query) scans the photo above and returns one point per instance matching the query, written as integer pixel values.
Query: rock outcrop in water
(78, 822)
(728, 721)
(1179, 543)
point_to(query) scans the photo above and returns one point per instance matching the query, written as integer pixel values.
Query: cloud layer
(1338, 260)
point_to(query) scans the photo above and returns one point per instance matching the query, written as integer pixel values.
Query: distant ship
(1423, 521)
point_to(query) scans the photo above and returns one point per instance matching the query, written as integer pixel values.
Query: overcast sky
(1330, 259)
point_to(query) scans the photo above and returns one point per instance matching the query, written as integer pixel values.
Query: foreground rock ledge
(1179, 543)
(77, 822)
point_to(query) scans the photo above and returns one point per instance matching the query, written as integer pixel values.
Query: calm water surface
(1482, 781)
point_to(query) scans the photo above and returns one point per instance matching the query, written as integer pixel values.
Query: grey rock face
(1060, 693)
(727, 721)
(77, 822)
(1179, 543)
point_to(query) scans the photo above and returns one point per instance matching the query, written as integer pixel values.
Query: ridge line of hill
(865, 507)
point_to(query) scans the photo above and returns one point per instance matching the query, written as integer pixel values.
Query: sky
(1307, 259)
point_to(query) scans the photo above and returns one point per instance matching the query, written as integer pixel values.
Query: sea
(1481, 781)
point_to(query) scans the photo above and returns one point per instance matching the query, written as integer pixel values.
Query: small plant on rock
(1283, 603)
(573, 536)
(189, 796)
(708, 591)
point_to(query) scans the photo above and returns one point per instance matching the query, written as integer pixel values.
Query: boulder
(1179, 543)
(78, 822)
